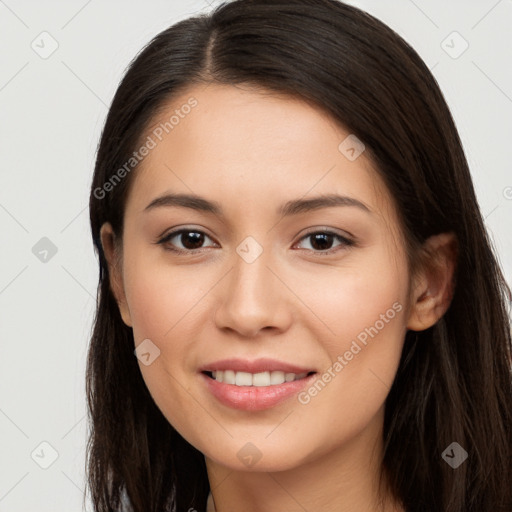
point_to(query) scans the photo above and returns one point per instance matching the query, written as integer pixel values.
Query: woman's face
(257, 279)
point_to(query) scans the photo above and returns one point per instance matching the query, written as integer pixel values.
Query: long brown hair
(454, 380)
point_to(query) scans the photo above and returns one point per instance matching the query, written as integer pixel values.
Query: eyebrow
(289, 208)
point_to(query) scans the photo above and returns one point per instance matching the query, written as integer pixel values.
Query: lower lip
(255, 398)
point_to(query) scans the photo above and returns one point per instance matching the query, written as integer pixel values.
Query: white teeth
(256, 379)
(260, 379)
(228, 376)
(243, 379)
(277, 377)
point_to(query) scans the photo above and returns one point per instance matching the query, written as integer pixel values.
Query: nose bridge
(251, 273)
(248, 300)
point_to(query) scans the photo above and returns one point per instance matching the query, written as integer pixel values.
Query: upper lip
(256, 366)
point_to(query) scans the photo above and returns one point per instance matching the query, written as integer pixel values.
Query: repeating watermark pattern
(249, 454)
(351, 147)
(145, 149)
(44, 455)
(45, 45)
(44, 250)
(147, 352)
(454, 455)
(249, 249)
(304, 397)
(454, 45)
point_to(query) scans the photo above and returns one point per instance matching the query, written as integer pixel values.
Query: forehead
(257, 119)
(251, 143)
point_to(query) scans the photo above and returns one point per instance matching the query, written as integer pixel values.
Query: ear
(434, 283)
(111, 248)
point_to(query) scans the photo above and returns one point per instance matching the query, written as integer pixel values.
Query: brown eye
(322, 241)
(190, 240)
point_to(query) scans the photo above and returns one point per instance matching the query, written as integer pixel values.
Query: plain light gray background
(52, 108)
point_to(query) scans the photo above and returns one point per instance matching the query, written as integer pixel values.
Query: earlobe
(112, 256)
(434, 287)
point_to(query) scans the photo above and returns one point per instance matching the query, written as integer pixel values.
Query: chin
(251, 456)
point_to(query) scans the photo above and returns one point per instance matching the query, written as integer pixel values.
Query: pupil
(324, 239)
(194, 237)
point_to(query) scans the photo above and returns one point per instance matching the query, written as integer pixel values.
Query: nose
(252, 298)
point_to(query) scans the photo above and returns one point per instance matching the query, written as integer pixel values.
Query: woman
(299, 307)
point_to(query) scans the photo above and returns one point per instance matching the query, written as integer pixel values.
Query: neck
(340, 479)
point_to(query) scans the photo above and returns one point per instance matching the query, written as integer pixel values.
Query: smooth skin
(251, 151)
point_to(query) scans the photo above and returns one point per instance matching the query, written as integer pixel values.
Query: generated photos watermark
(151, 142)
(304, 397)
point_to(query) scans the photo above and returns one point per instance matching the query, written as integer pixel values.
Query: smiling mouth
(262, 379)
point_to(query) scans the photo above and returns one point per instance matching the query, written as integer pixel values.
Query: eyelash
(347, 242)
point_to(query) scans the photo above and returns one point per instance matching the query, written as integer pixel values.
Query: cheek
(162, 298)
(359, 316)
(348, 301)
(167, 306)
(161, 306)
